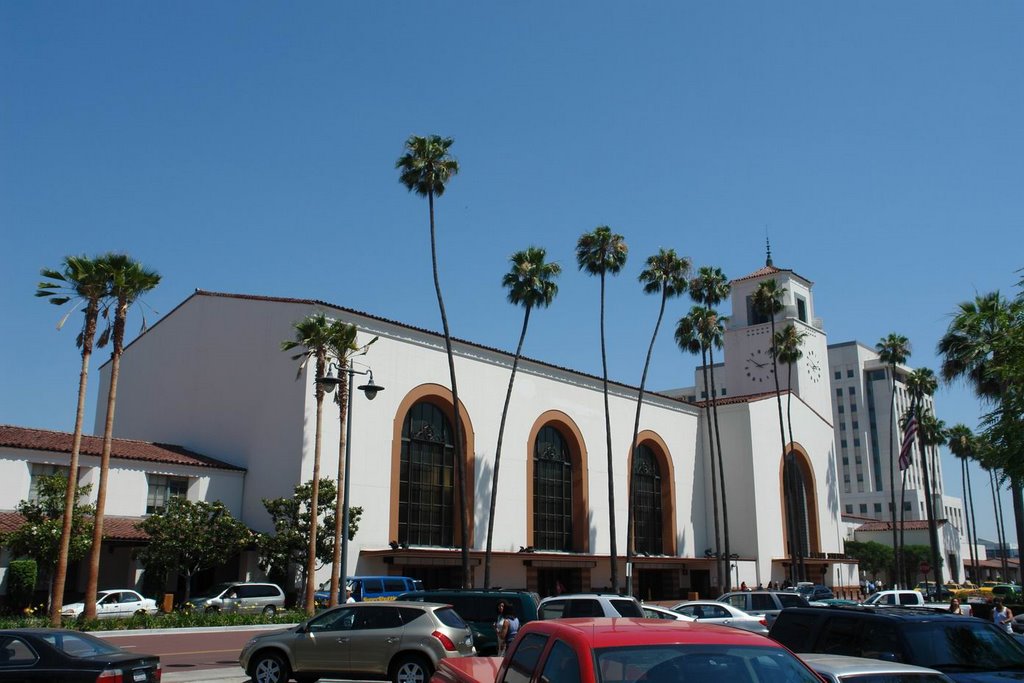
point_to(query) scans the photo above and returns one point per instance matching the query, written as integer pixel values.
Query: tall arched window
(552, 492)
(427, 473)
(647, 529)
(796, 491)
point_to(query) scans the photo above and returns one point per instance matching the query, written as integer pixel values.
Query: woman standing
(501, 627)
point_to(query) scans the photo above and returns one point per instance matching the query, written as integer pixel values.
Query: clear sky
(249, 147)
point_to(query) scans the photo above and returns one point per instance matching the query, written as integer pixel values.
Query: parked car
(44, 654)
(656, 612)
(814, 591)
(933, 593)
(764, 603)
(240, 597)
(589, 605)
(1007, 592)
(114, 604)
(963, 648)
(369, 588)
(842, 669)
(722, 614)
(398, 640)
(479, 609)
(625, 650)
(895, 597)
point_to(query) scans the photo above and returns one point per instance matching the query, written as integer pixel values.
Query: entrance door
(656, 584)
(700, 581)
(558, 581)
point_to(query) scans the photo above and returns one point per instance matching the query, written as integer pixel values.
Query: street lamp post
(370, 390)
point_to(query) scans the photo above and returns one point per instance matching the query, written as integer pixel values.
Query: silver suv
(765, 604)
(589, 605)
(245, 598)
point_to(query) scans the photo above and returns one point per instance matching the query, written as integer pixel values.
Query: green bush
(172, 620)
(21, 583)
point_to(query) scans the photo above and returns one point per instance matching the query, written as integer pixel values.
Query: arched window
(647, 529)
(552, 492)
(427, 473)
(796, 491)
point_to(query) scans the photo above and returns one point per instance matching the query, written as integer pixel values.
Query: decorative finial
(768, 245)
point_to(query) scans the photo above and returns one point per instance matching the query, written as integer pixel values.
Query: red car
(631, 650)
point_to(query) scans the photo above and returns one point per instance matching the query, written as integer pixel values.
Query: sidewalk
(231, 674)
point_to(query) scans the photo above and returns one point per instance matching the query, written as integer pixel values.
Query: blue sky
(249, 147)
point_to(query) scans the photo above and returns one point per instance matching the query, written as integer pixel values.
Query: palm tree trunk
(339, 501)
(314, 498)
(974, 524)
(497, 450)
(897, 559)
(795, 489)
(460, 464)
(933, 531)
(1003, 541)
(613, 544)
(633, 446)
(71, 494)
(92, 583)
(714, 475)
(899, 550)
(721, 467)
(1018, 511)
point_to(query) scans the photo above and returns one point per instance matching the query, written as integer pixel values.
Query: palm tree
(695, 333)
(314, 335)
(786, 348)
(767, 302)
(921, 383)
(931, 433)
(971, 350)
(426, 167)
(82, 281)
(710, 288)
(961, 444)
(602, 252)
(530, 284)
(127, 280)
(666, 275)
(893, 350)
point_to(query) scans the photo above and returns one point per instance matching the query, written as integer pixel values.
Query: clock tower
(749, 368)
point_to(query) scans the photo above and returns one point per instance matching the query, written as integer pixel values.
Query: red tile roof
(128, 449)
(114, 528)
(913, 525)
(770, 270)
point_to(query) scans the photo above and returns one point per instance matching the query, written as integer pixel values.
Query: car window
(839, 637)
(411, 614)
(686, 663)
(585, 607)
(394, 585)
(554, 609)
(377, 617)
(654, 614)
(372, 586)
(524, 659)
(470, 607)
(881, 640)
(627, 608)
(962, 644)
(79, 644)
(716, 612)
(908, 599)
(761, 601)
(561, 665)
(737, 600)
(243, 592)
(793, 600)
(15, 652)
(449, 617)
(337, 620)
(794, 630)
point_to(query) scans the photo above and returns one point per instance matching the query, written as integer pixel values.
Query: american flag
(909, 432)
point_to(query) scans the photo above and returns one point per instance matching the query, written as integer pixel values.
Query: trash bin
(168, 603)
(693, 596)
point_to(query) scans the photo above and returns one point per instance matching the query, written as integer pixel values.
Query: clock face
(759, 366)
(814, 369)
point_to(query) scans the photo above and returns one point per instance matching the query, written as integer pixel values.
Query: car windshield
(212, 591)
(673, 663)
(966, 645)
(78, 644)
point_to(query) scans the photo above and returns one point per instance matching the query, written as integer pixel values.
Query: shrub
(21, 583)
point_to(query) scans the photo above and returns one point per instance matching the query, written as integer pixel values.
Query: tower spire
(768, 246)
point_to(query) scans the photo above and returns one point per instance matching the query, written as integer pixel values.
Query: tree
(665, 274)
(313, 334)
(786, 349)
(128, 281)
(767, 301)
(602, 252)
(190, 536)
(426, 167)
(893, 350)
(872, 556)
(930, 432)
(530, 284)
(82, 281)
(697, 332)
(962, 445)
(39, 538)
(342, 346)
(710, 288)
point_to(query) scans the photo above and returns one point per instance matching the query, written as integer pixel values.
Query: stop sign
(924, 567)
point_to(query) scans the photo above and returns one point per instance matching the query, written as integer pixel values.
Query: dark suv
(963, 648)
(765, 604)
(479, 609)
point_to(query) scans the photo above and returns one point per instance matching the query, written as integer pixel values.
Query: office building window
(849, 509)
(846, 460)
(851, 390)
(856, 425)
(842, 426)
(860, 478)
(839, 391)
(878, 508)
(161, 489)
(39, 470)
(801, 309)
(849, 373)
(842, 442)
(839, 374)
(853, 407)
(842, 408)
(864, 508)
(856, 442)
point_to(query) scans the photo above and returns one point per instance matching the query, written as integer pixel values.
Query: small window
(851, 391)
(524, 659)
(846, 460)
(907, 506)
(856, 442)
(561, 666)
(801, 309)
(161, 489)
(839, 391)
(842, 442)
(842, 426)
(842, 409)
(864, 508)
(856, 424)
(878, 507)
(853, 407)
(839, 374)
(39, 470)
(849, 373)
(849, 509)
(860, 478)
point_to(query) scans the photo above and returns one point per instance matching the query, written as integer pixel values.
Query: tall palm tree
(786, 347)
(710, 288)
(921, 383)
(665, 274)
(931, 433)
(961, 444)
(767, 301)
(341, 345)
(531, 284)
(972, 350)
(893, 350)
(82, 281)
(313, 335)
(695, 333)
(602, 252)
(426, 167)
(127, 280)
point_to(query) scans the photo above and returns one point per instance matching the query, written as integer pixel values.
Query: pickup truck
(895, 597)
(621, 649)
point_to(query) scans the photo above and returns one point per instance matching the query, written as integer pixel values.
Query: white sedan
(111, 604)
(723, 614)
(656, 612)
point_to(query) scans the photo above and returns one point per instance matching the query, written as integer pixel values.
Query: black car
(46, 654)
(963, 648)
(815, 591)
(479, 608)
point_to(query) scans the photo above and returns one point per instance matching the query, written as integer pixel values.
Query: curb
(232, 674)
(194, 629)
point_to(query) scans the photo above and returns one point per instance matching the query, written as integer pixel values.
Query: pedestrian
(954, 606)
(500, 627)
(511, 625)
(1002, 617)
(760, 586)
(348, 595)
(743, 586)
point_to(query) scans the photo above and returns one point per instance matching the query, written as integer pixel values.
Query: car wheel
(269, 668)
(140, 612)
(269, 611)
(411, 669)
